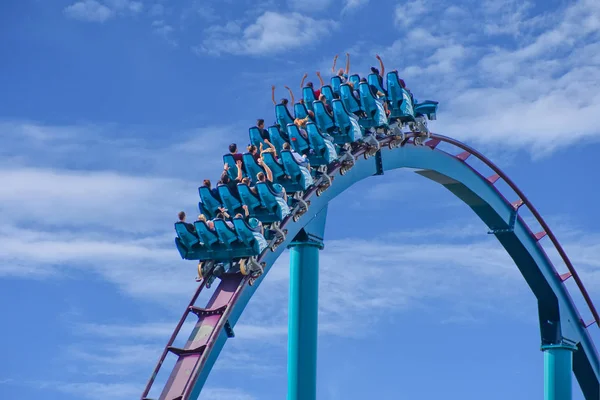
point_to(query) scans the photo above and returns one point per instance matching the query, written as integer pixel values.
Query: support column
(304, 309)
(558, 367)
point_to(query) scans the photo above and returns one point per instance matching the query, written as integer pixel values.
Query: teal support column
(558, 367)
(304, 309)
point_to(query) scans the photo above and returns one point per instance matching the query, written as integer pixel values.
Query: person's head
(233, 148)
(340, 72)
(238, 215)
(202, 218)
(246, 180)
(261, 177)
(181, 216)
(351, 84)
(286, 146)
(211, 225)
(206, 183)
(363, 80)
(260, 123)
(310, 114)
(402, 83)
(299, 122)
(309, 84)
(284, 102)
(252, 149)
(375, 70)
(225, 179)
(322, 98)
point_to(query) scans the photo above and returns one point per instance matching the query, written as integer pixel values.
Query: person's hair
(238, 215)
(233, 147)
(363, 79)
(246, 180)
(284, 102)
(286, 146)
(309, 84)
(206, 183)
(181, 215)
(260, 122)
(251, 148)
(225, 179)
(261, 176)
(322, 97)
(202, 217)
(341, 72)
(374, 70)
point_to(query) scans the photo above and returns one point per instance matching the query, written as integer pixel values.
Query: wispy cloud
(96, 11)
(271, 33)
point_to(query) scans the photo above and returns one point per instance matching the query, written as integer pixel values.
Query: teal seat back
(367, 101)
(347, 97)
(251, 167)
(336, 82)
(248, 198)
(291, 167)
(244, 233)
(230, 202)
(230, 161)
(323, 119)
(354, 79)
(283, 115)
(296, 140)
(255, 137)
(373, 79)
(275, 138)
(226, 235)
(188, 239)
(349, 132)
(267, 198)
(400, 100)
(275, 167)
(327, 91)
(316, 140)
(308, 94)
(300, 111)
(207, 237)
(209, 203)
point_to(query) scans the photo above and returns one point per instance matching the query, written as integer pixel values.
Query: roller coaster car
(273, 203)
(251, 167)
(401, 106)
(300, 111)
(308, 94)
(375, 113)
(349, 130)
(323, 119)
(266, 212)
(230, 161)
(336, 82)
(275, 138)
(282, 114)
(428, 108)
(350, 102)
(255, 137)
(297, 141)
(232, 204)
(209, 205)
(323, 151)
(299, 176)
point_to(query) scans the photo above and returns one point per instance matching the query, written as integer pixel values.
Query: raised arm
(273, 94)
(320, 79)
(239, 168)
(291, 94)
(271, 146)
(267, 169)
(347, 63)
(334, 62)
(382, 69)
(302, 82)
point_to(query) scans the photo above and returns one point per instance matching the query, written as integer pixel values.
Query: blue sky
(113, 111)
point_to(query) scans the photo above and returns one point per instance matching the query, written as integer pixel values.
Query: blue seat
(354, 79)
(274, 166)
(208, 238)
(245, 234)
(183, 251)
(251, 167)
(258, 208)
(323, 150)
(275, 137)
(308, 94)
(282, 115)
(232, 171)
(248, 198)
(350, 102)
(226, 235)
(401, 106)
(210, 205)
(323, 119)
(296, 140)
(255, 137)
(336, 82)
(293, 170)
(428, 107)
(269, 201)
(300, 111)
(187, 238)
(349, 130)
(327, 91)
(229, 201)
(373, 80)
(373, 109)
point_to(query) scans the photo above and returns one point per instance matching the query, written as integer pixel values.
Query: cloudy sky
(113, 111)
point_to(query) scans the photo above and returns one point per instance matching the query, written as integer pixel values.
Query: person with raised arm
(381, 74)
(341, 73)
(283, 101)
(310, 84)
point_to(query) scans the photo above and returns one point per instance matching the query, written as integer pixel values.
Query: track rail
(332, 170)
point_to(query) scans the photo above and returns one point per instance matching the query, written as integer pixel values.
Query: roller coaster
(357, 130)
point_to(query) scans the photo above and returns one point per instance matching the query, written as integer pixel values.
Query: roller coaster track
(560, 320)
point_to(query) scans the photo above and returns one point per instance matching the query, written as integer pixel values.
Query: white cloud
(309, 6)
(271, 33)
(350, 5)
(89, 10)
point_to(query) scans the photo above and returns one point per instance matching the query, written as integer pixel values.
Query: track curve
(559, 318)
